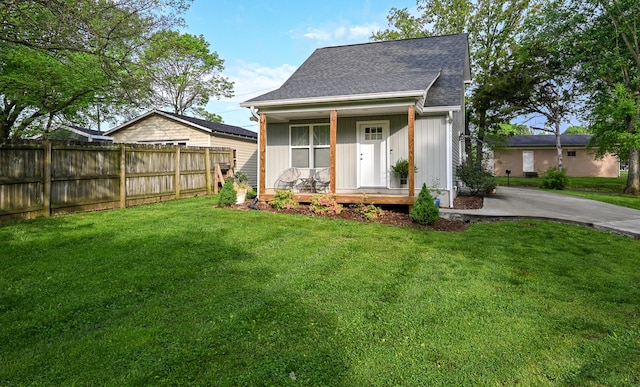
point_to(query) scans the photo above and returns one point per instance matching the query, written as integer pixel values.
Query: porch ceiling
(289, 113)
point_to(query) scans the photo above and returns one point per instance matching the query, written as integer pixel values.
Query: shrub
(227, 195)
(283, 200)
(325, 204)
(477, 178)
(424, 210)
(554, 178)
(252, 193)
(368, 211)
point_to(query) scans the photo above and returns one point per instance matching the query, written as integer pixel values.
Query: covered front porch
(306, 184)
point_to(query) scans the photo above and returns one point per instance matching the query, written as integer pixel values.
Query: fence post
(123, 176)
(207, 167)
(177, 181)
(46, 176)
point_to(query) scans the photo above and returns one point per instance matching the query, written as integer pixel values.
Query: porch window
(310, 146)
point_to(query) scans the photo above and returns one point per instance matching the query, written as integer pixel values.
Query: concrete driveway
(510, 202)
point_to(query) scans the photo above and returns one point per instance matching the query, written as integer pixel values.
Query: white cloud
(333, 34)
(252, 79)
(318, 35)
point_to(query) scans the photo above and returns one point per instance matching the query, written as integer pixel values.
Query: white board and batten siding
(430, 150)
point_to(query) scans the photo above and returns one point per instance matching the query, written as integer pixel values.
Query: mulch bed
(397, 216)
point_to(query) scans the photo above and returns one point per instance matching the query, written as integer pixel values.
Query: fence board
(87, 176)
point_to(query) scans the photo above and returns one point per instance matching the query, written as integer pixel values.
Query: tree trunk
(558, 144)
(482, 122)
(467, 139)
(4, 131)
(633, 180)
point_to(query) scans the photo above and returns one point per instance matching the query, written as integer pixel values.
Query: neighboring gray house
(160, 127)
(77, 133)
(350, 112)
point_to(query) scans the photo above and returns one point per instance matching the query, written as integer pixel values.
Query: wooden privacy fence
(48, 178)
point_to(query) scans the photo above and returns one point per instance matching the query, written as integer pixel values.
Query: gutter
(256, 116)
(450, 157)
(338, 98)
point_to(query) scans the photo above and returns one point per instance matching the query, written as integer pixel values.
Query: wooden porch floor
(352, 198)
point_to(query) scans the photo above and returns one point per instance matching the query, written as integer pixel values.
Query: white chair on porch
(288, 179)
(322, 179)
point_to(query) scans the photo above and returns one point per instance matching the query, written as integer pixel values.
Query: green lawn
(604, 189)
(181, 293)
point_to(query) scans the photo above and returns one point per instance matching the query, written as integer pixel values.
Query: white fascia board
(440, 109)
(338, 98)
(340, 108)
(88, 135)
(107, 138)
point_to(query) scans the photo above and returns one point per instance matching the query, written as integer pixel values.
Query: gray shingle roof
(381, 67)
(548, 140)
(87, 131)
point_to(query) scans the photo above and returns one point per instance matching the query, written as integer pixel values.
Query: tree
(492, 27)
(183, 73)
(577, 129)
(505, 130)
(537, 83)
(57, 57)
(36, 87)
(615, 123)
(605, 55)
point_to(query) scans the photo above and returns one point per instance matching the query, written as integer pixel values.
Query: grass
(181, 293)
(604, 189)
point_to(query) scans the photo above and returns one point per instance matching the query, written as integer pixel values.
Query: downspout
(255, 115)
(450, 157)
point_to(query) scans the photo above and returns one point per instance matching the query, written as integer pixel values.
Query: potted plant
(241, 186)
(401, 169)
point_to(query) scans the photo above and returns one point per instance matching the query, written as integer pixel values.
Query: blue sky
(263, 41)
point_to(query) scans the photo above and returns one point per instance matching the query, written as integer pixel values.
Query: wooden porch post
(332, 150)
(412, 176)
(263, 153)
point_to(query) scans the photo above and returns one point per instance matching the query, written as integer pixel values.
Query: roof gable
(197, 123)
(215, 127)
(378, 68)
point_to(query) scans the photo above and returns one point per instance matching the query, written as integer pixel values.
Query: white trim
(310, 146)
(386, 127)
(449, 126)
(90, 137)
(327, 109)
(337, 98)
(441, 109)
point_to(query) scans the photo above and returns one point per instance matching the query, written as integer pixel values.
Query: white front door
(372, 153)
(527, 161)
